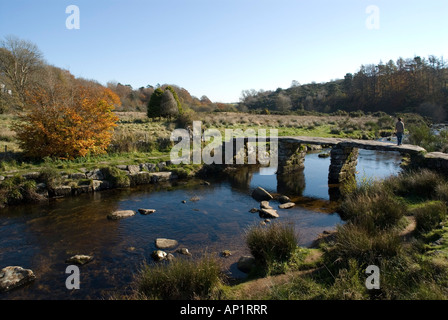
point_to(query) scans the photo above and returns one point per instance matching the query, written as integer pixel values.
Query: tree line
(416, 85)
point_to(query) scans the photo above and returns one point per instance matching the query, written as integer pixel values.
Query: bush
(430, 215)
(275, 243)
(366, 247)
(180, 279)
(420, 184)
(370, 204)
(16, 190)
(116, 177)
(51, 177)
(441, 191)
(349, 284)
(375, 208)
(68, 122)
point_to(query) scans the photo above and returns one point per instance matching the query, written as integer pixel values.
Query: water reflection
(41, 237)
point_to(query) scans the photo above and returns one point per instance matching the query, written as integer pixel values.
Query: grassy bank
(138, 139)
(387, 224)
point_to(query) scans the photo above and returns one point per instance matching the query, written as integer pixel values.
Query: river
(42, 236)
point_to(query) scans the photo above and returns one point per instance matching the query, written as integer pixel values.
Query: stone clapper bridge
(344, 154)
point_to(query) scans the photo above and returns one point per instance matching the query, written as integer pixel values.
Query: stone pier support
(291, 157)
(343, 163)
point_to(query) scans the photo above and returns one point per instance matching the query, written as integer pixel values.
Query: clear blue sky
(220, 47)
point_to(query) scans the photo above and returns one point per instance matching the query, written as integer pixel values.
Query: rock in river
(121, 214)
(12, 277)
(260, 194)
(246, 263)
(287, 205)
(184, 251)
(163, 243)
(265, 205)
(159, 255)
(146, 211)
(79, 259)
(268, 213)
(284, 199)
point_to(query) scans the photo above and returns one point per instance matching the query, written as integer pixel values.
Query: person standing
(399, 131)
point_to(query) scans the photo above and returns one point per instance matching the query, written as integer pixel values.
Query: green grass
(413, 268)
(180, 279)
(272, 245)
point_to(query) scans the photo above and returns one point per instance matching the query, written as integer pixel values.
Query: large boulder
(260, 194)
(140, 178)
(163, 243)
(120, 214)
(133, 168)
(246, 263)
(77, 176)
(95, 175)
(62, 191)
(14, 276)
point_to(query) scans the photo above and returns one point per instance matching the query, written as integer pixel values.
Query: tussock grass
(418, 184)
(276, 242)
(181, 279)
(430, 215)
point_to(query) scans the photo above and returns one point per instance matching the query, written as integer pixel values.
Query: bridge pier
(291, 157)
(343, 163)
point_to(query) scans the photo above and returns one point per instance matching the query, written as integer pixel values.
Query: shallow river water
(41, 237)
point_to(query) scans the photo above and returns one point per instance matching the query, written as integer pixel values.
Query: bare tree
(19, 59)
(283, 103)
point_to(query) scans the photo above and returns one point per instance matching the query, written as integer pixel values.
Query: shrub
(441, 191)
(16, 190)
(274, 243)
(420, 184)
(370, 204)
(356, 242)
(51, 177)
(349, 284)
(375, 208)
(430, 215)
(116, 177)
(67, 123)
(180, 279)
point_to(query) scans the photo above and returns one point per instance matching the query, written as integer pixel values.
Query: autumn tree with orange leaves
(67, 118)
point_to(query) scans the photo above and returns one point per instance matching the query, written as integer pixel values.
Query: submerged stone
(121, 214)
(79, 259)
(163, 243)
(287, 205)
(14, 276)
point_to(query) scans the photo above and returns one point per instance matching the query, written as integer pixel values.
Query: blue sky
(220, 47)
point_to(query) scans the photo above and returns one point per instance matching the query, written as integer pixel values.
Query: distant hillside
(407, 85)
